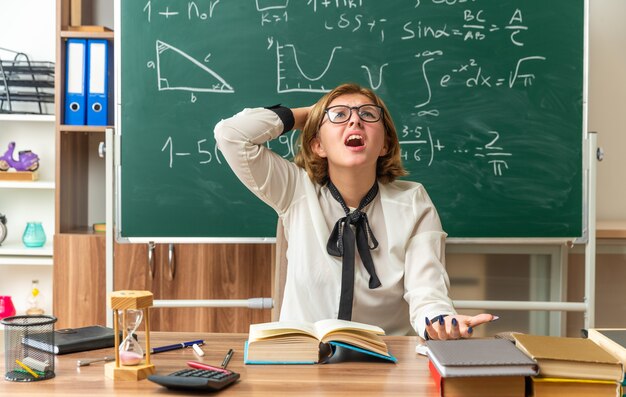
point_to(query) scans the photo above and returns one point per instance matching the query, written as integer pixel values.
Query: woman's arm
(300, 116)
(427, 282)
(242, 138)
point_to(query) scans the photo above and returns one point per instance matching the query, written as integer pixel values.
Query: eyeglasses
(341, 113)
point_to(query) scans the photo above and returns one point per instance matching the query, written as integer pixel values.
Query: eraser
(197, 349)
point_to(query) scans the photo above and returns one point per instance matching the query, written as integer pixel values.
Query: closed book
(613, 340)
(72, 340)
(556, 387)
(290, 342)
(577, 358)
(478, 386)
(479, 357)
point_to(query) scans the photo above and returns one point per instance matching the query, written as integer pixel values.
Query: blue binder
(76, 68)
(98, 94)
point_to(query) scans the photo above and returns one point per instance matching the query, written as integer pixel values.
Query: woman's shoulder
(403, 188)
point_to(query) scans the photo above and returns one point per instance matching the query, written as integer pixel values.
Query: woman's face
(354, 144)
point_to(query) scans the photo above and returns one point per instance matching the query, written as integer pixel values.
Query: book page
(269, 330)
(325, 327)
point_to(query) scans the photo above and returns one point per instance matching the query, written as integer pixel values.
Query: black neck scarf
(341, 244)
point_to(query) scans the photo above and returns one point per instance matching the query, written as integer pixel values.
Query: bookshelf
(80, 175)
(28, 27)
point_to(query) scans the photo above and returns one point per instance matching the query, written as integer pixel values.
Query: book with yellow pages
(576, 358)
(613, 340)
(292, 342)
(552, 387)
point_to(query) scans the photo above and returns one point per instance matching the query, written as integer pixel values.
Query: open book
(291, 342)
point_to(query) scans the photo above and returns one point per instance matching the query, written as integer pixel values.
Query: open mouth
(354, 141)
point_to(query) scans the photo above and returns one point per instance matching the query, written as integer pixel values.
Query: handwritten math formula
(444, 67)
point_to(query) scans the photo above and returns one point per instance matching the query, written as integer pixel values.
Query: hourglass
(130, 308)
(130, 350)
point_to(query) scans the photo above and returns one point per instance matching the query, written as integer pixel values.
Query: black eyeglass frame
(380, 114)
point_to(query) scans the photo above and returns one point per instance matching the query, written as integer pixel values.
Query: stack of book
(479, 368)
(612, 340)
(571, 367)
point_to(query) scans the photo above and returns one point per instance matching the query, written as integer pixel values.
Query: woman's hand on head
(455, 326)
(300, 116)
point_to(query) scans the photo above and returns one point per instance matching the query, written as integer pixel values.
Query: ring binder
(75, 82)
(98, 82)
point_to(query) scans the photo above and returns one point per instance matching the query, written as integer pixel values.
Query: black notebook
(72, 340)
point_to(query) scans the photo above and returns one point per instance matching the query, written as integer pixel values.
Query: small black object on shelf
(25, 81)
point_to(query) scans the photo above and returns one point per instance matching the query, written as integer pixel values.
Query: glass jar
(34, 235)
(34, 304)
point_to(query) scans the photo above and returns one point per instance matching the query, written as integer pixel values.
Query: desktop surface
(364, 378)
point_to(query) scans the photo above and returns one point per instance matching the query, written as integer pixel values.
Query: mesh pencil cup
(22, 361)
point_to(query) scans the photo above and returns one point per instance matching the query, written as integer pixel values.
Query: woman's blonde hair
(388, 167)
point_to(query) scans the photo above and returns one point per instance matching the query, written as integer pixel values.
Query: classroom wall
(607, 102)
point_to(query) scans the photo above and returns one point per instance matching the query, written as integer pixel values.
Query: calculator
(196, 379)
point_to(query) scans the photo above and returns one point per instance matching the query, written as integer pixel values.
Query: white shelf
(26, 260)
(16, 248)
(49, 118)
(14, 253)
(50, 185)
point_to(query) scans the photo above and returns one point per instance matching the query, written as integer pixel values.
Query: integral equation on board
(420, 140)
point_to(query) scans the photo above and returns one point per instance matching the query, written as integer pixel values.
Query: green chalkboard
(487, 96)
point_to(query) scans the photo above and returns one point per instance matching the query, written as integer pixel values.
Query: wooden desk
(408, 377)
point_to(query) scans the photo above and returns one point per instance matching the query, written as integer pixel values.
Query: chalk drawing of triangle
(177, 70)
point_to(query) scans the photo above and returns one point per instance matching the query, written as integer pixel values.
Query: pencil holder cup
(28, 341)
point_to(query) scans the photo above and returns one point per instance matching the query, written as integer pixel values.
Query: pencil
(27, 368)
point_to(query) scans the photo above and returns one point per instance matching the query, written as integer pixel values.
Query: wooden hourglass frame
(123, 301)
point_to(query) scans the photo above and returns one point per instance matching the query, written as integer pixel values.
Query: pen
(227, 358)
(83, 363)
(182, 345)
(197, 365)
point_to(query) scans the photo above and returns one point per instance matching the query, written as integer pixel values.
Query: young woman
(362, 245)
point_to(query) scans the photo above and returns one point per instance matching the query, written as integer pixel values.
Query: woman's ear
(317, 147)
(385, 149)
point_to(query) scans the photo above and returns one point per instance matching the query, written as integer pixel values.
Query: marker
(229, 355)
(162, 349)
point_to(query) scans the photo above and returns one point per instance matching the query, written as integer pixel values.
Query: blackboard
(487, 97)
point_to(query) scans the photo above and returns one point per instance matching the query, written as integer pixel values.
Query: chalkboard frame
(121, 237)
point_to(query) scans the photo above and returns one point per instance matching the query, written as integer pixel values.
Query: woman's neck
(353, 186)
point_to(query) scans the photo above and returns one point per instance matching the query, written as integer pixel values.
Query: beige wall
(607, 102)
